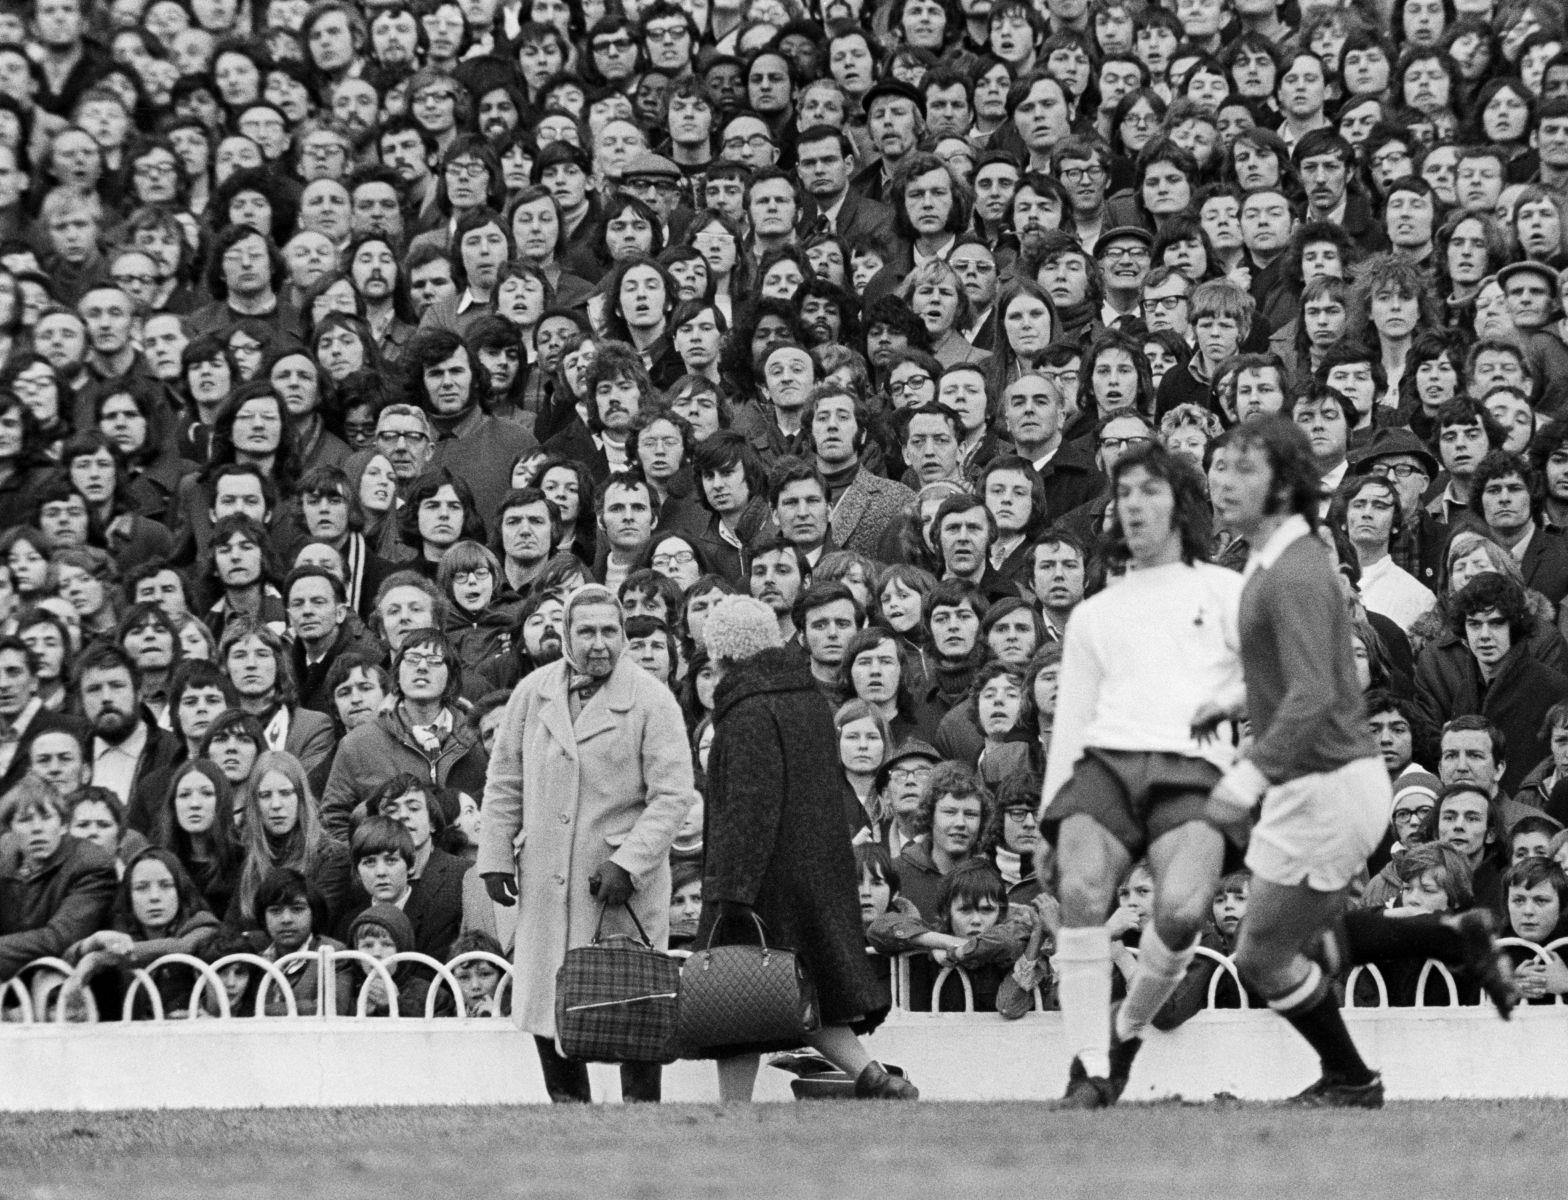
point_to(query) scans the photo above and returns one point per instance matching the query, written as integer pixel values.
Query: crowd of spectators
(341, 342)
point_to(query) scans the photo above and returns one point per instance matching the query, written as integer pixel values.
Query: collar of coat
(604, 710)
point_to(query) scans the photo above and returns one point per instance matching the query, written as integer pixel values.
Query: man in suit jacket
(1505, 496)
(435, 898)
(824, 160)
(861, 505)
(324, 628)
(22, 714)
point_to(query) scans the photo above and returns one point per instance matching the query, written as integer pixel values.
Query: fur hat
(738, 627)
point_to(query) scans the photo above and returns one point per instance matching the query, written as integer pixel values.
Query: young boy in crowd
(479, 978)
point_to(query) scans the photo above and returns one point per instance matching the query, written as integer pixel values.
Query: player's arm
(1297, 601)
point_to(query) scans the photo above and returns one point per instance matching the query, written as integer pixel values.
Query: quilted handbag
(743, 996)
(616, 999)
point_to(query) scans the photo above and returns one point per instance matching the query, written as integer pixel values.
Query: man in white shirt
(1371, 520)
(1126, 777)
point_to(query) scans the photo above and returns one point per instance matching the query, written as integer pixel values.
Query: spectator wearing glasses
(1400, 456)
(669, 39)
(405, 438)
(423, 734)
(1123, 255)
(613, 58)
(1084, 166)
(440, 106)
(1118, 431)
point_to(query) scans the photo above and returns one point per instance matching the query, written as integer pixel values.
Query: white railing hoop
(377, 965)
(1228, 965)
(1377, 977)
(205, 972)
(963, 978)
(142, 979)
(15, 988)
(272, 974)
(1427, 968)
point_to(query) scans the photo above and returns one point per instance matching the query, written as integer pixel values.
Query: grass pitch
(844, 1151)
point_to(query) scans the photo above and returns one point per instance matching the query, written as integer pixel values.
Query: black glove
(502, 886)
(611, 884)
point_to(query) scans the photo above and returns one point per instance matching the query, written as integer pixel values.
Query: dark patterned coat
(774, 833)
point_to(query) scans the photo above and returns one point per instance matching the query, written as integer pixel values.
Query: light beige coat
(560, 800)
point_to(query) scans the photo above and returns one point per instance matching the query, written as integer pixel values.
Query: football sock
(1083, 964)
(1313, 1009)
(1372, 934)
(1160, 970)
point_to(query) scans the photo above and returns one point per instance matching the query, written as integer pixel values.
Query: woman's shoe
(875, 1083)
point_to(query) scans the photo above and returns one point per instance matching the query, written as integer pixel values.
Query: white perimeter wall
(1423, 1053)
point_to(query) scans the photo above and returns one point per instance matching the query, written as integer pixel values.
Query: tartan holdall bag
(744, 996)
(617, 1003)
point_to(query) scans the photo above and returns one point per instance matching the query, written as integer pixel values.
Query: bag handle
(630, 912)
(726, 907)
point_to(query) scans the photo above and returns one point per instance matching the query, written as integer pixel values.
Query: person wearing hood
(589, 781)
(775, 846)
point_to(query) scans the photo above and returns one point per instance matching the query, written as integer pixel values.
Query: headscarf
(578, 680)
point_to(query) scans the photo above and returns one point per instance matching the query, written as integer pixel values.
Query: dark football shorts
(1138, 796)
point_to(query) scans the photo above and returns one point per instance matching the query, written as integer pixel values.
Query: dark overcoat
(774, 833)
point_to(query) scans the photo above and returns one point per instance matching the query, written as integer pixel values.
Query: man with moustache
(1324, 162)
(895, 116)
(126, 745)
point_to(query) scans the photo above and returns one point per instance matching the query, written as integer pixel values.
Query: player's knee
(1181, 920)
(1085, 900)
(1259, 964)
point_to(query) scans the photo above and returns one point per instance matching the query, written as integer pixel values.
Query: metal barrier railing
(37, 994)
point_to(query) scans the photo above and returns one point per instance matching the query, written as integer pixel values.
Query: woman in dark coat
(776, 846)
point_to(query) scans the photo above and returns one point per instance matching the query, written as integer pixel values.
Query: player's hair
(1190, 510)
(1296, 484)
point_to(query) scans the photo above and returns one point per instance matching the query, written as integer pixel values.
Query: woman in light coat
(589, 781)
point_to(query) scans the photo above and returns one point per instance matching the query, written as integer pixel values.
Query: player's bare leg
(1186, 866)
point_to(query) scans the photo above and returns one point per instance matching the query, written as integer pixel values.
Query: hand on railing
(1541, 975)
